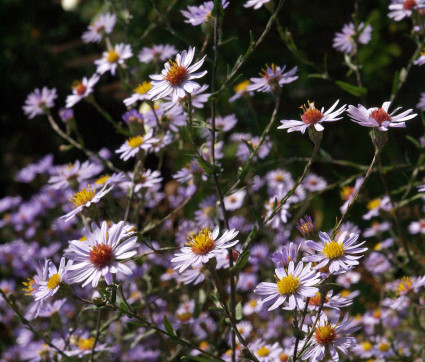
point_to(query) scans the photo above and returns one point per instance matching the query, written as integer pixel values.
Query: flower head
(177, 77)
(203, 246)
(401, 9)
(312, 117)
(50, 286)
(157, 53)
(81, 89)
(256, 4)
(271, 78)
(38, 101)
(344, 41)
(113, 57)
(379, 117)
(104, 24)
(133, 145)
(197, 15)
(100, 255)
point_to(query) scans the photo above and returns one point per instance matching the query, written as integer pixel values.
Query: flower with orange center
(102, 254)
(81, 89)
(313, 117)
(272, 79)
(202, 247)
(325, 334)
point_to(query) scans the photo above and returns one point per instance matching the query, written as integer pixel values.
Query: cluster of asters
(99, 235)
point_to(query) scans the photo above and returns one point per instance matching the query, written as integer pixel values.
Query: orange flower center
(101, 255)
(380, 116)
(202, 243)
(325, 334)
(176, 75)
(409, 4)
(311, 115)
(79, 87)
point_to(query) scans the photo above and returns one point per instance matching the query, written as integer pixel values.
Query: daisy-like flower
(101, 253)
(203, 247)
(256, 4)
(417, 227)
(63, 176)
(272, 77)
(421, 60)
(133, 145)
(102, 25)
(240, 90)
(376, 205)
(312, 117)
(177, 77)
(330, 335)
(38, 101)
(113, 57)
(266, 352)
(338, 254)
(305, 225)
(49, 287)
(81, 89)
(85, 198)
(140, 94)
(157, 53)
(379, 117)
(344, 42)
(197, 15)
(283, 258)
(401, 9)
(235, 200)
(292, 285)
(348, 192)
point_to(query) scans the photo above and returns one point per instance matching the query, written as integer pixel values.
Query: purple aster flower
(271, 78)
(38, 101)
(197, 15)
(338, 254)
(344, 41)
(283, 258)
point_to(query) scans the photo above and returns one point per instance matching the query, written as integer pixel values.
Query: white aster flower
(102, 25)
(157, 53)
(376, 205)
(271, 77)
(49, 287)
(81, 89)
(38, 101)
(240, 90)
(266, 352)
(101, 254)
(344, 41)
(113, 57)
(235, 200)
(379, 117)
(401, 9)
(256, 4)
(292, 285)
(330, 335)
(338, 254)
(203, 247)
(312, 117)
(197, 15)
(62, 176)
(416, 227)
(177, 77)
(85, 198)
(140, 94)
(133, 145)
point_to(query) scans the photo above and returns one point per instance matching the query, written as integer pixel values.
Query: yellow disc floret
(373, 204)
(143, 88)
(287, 285)
(202, 243)
(263, 352)
(113, 56)
(241, 87)
(404, 285)
(82, 197)
(86, 344)
(134, 142)
(325, 334)
(333, 250)
(53, 281)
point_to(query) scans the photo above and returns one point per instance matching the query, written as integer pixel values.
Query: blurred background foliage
(42, 46)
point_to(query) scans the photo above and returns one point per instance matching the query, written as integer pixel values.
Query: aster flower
(197, 15)
(344, 41)
(292, 285)
(375, 205)
(140, 94)
(133, 117)
(312, 117)
(379, 117)
(113, 57)
(401, 9)
(38, 101)
(241, 89)
(283, 258)
(101, 254)
(133, 145)
(338, 254)
(330, 335)
(266, 352)
(66, 114)
(416, 227)
(421, 60)
(305, 226)
(102, 25)
(49, 287)
(235, 200)
(256, 4)
(314, 183)
(177, 77)
(271, 77)
(81, 89)
(63, 176)
(157, 53)
(198, 99)
(348, 192)
(84, 199)
(203, 247)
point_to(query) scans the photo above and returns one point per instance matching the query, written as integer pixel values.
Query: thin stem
(96, 338)
(136, 171)
(297, 339)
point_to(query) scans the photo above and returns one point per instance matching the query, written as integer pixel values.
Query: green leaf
(352, 89)
(168, 326)
(414, 141)
(238, 311)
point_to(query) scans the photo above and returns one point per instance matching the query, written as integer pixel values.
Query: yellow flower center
(404, 285)
(28, 286)
(376, 314)
(113, 56)
(253, 303)
(333, 250)
(204, 345)
(202, 243)
(102, 180)
(53, 281)
(344, 293)
(176, 75)
(287, 285)
(263, 352)
(325, 334)
(367, 346)
(384, 347)
(134, 142)
(371, 205)
(82, 197)
(184, 317)
(283, 357)
(346, 192)
(143, 88)
(241, 87)
(86, 344)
